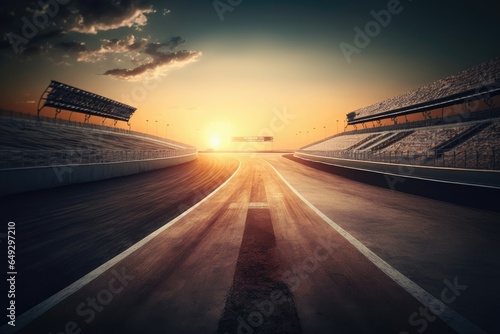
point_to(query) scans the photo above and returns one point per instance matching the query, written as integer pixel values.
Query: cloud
(71, 46)
(94, 16)
(66, 31)
(129, 45)
(28, 25)
(147, 59)
(173, 43)
(161, 63)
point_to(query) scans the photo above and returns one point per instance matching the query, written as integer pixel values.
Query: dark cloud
(152, 48)
(20, 45)
(96, 15)
(71, 46)
(160, 62)
(175, 42)
(35, 50)
(129, 45)
(36, 27)
(28, 24)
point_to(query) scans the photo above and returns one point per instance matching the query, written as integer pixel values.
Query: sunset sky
(217, 69)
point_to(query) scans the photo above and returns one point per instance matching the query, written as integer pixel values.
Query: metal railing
(10, 159)
(469, 159)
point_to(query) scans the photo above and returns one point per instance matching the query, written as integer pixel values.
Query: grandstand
(39, 152)
(42, 141)
(459, 126)
(481, 82)
(28, 141)
(61, 96)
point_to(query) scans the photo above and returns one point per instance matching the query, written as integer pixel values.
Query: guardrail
(468, 159)
(11, 159)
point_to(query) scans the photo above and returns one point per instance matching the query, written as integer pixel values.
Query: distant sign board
(253, 139)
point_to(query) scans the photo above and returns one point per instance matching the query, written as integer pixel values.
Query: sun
(215, 141)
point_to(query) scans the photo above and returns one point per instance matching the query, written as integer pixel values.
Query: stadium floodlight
(65, 97)
(477, 83)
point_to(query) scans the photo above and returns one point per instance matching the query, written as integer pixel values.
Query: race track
(278, 248)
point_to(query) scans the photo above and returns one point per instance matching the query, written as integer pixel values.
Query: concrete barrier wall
(19, 180)
(490, 178)
(472, 188)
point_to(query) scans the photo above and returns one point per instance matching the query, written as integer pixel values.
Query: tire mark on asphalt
(259, 301)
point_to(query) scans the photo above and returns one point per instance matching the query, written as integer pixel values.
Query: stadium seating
(421, 146)
(465, 86)
(27, 135)
(28, 143)
(459, 126)
(426, 139)
(338, 143)
(484, 148)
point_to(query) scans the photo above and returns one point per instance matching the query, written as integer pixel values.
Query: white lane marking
(453, 319)
(36, 311)
(258, 205)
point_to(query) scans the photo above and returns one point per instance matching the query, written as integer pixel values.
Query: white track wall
(19, 180)
(489, 178)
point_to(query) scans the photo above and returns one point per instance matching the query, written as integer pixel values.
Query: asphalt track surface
(254, 257)
(64, 233)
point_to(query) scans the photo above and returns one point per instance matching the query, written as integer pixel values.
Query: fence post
(494, 158)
